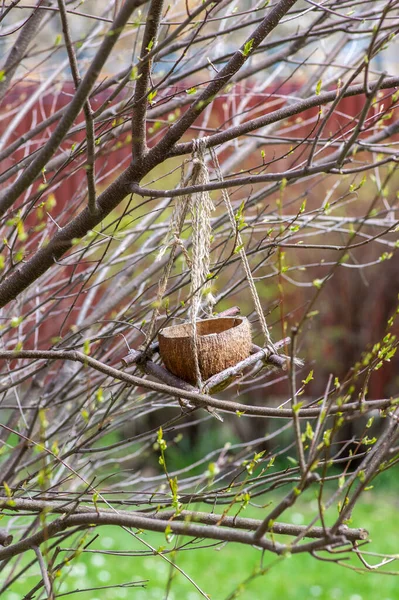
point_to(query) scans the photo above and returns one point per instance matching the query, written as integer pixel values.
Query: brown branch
(59, 506)
(137, 521)
(278, 115)
(139, 125)
(195, 397)
(370, 97)
(370, 467)
(45, 576)
(253, 524)
(236, 182)
(294, 402)
(5, 537)
(90, 166)
(213, 531)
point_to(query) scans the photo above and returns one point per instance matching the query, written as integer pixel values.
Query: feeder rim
(236, 322)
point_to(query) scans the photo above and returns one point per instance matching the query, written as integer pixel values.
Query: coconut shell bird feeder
(202, 351)
(222, 342)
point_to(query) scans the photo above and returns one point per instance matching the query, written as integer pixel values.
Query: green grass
(219, 571)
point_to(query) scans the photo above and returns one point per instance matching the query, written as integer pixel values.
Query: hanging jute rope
(173, 241)
(258, 307)
(200, 206)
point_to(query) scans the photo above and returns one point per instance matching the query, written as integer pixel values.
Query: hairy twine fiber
(172, 240)
(201, 207)
(258, 307)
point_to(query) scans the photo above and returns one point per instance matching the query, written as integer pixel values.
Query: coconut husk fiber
(222, 343)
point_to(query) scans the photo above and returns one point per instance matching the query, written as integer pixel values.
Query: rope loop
(201, 206)
(268, 344)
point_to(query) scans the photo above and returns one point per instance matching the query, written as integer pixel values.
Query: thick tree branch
(136, 520)
(279, 115)
(62, 507)
(197, 398)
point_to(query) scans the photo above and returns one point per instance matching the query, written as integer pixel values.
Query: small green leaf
(366, 441)
(362, 476)
(152, 95)
(7, 490)
(318, 283)
(86, 347)
(318, 87)
(238, 249)
(308, 378)
(99, 395)
(168, 533)
(327, 437)
(16, 321)
(312, 313)
(309, 431)
(134, 74)
(42, 418)
(161, 442)
(248, 47)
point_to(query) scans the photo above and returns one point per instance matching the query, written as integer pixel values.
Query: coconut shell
(222, 342)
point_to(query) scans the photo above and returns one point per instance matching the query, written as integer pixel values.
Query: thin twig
(295, 418)
(90, 166)
(43, 569)
(139, 125)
